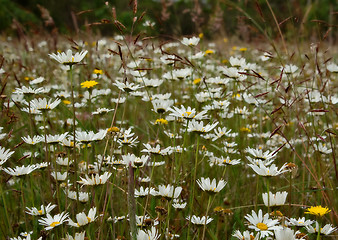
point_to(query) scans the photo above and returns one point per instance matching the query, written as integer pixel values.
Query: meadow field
(135, 137)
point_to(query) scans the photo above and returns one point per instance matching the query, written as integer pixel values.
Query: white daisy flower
(43, 210)
(262, 224)
(199, 220)
(83, 219)
(210, 186)
(68, 58)
(51, 222)
(277, 199)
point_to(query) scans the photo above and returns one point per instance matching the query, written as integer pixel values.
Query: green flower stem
(193, 181)
(206, 215)
(5, 209)
(131, 202)
(74, 137)
(319, 228)
(268, 189)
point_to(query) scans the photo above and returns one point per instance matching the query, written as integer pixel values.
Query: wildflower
(83, 196)
(19, 171)
(133, 161)
(101, 111)
(277, 199)
(286, 234)
(43, 210)
(177, 204)
(270, 171)
(161, 105)
(161, 121)
(261, 223)
(57, 138)
(78, 236)
(318, 211)
(300, 222)
(258, 155)
(148, 234)
(237, 62)
(180, 74)
(199, 127)
(210, 186)
(187, 113)
(96, 179)
(200, 221)
(64, 161)
(245, 236)
(289, 69)
(67, 58)
(5, 154)
(83, 219)
(332, 67)
(326, 230)
(168, 191)
(42, 104)
(89, 84)
(126, 87)
(59, 176)
(144, 191)
(53, 221)
(190, 41)
(97, 71)
(29, 91)
(155, 150)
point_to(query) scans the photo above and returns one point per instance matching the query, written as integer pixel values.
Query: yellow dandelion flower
(201, 35)
(161, 121)
(318, 211)
(98, 71)
(243, 49)
(113, 129)
(209, 51)
(89, 84)
(196, 81)
(67, 102)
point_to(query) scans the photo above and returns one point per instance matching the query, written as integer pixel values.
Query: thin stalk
(193, 185)
(131, 202)
(206, 216)
(74, 137)
(319, 228)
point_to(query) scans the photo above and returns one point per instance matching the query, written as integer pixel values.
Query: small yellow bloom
(209, 51)
(201, 35)
(196, 81)
(243, 49)
(89, 84)
(113, 129)
(225, 40)
(234, 48)
(28, 78)
(245, 129)
(161, 121)
(224, 61)
(98, 71)
(67, 102)
(318, 211)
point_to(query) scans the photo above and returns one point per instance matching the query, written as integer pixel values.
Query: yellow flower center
(53, 224)
(88, 218)
(40, 211)
(262, 226)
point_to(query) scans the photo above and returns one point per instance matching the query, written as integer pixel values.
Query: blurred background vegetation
(246, 19)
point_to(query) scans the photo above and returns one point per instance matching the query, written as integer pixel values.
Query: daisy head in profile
(67, 58)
